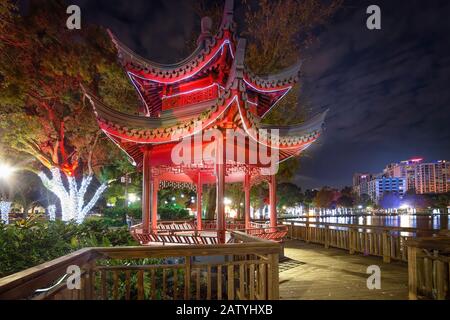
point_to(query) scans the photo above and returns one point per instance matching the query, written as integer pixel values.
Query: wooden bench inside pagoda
(245, 268)
(187, 232)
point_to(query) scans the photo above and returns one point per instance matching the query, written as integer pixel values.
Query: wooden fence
(428, 267)
(386, 242)
(245, 269)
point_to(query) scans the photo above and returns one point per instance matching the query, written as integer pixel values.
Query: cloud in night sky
(387, 90)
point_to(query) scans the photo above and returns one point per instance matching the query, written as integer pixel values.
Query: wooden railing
(386, 242)
(428, 268)
(269, 233)
(245, 269)
(171, 237)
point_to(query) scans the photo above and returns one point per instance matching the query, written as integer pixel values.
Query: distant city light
(227, 201)
(173, 198)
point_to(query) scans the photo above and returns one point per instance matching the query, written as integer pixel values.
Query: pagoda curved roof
(279, 81)
(170, 126)
(168, 73)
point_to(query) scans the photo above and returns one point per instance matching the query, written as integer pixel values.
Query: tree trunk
(70, 194)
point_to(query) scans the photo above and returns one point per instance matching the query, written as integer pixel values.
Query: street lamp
(6, 171)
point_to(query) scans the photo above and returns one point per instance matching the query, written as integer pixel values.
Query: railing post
(327, 237)
(412, 272)
(351, 240)
(187, 278)
(386, 247)
(291, 231)
(441, 280)
(307, 231)
(273, 280)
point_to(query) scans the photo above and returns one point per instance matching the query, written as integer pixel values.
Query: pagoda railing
(185, 232)
(244, 269)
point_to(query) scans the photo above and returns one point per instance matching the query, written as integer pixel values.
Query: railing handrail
(367, 227)
(25, 283)
(441, 243)
(19, 284)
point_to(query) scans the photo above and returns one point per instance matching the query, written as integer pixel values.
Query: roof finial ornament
(228, 14)
(206, 35)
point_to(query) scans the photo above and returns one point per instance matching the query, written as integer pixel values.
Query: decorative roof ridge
(237, 69)
(125, 52)
(113, 117)
(286, 77)
(102, 109)
(228, 16)
(288, 135)
(314, 123)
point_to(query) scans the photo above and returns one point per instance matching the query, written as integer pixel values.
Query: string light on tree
(51, 212)
(5, 207)
(72, 198)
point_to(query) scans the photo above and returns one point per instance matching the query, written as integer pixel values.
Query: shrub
(116, 216)
(172, 213)
(31, 242)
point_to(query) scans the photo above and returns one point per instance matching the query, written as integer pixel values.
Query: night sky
(388, 90)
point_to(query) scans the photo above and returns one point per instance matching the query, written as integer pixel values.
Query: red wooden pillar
(273, 201)
(247, 201)
(154, 212)
(220, 191)
(199, 202)
(146, 185)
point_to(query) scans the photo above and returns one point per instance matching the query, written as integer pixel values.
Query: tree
(365, 201)
(309, 197)
(43, 113)
(324, 198)
(345, 201)
(278, 33)
(289, 195)
(346, 198)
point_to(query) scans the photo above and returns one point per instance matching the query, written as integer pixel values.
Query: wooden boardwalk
(312, 272)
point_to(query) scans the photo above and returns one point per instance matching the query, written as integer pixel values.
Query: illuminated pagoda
(187, 104)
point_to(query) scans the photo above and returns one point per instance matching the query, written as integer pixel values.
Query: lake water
(424, 222)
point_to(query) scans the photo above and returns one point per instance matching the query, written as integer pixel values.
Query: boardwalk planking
(334, 274)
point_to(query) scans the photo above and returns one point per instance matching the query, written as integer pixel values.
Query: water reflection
(424, 222)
